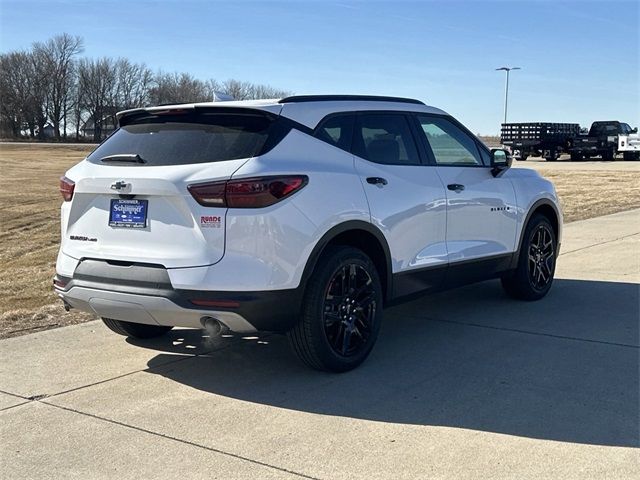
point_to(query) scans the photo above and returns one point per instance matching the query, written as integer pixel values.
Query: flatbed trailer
(545, 139)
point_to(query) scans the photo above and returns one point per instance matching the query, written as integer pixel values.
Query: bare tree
(178, 88)
(97, 80)
(237, 89)
(55, 59)
(77, 104)
(249, 91)
(49, 84)
(15, 92)
(133, 84)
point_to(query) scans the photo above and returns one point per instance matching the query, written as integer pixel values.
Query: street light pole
(506, 88)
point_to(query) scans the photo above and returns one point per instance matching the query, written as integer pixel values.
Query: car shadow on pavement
(564, 368)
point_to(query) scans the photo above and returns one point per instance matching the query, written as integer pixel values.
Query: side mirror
(500, 161)
(635, 130)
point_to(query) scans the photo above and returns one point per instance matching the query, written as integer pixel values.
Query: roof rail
(346, 98)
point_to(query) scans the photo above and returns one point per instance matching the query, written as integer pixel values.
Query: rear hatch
(131, 200)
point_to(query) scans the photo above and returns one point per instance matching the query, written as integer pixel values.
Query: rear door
(481, 209)
(406, 198)
(131, 200)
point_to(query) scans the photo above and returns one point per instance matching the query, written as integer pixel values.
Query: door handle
(377, 180)
(456, 187)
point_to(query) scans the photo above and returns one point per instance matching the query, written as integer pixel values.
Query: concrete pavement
(463, 384)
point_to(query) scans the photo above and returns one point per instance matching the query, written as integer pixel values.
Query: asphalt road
(463, 384)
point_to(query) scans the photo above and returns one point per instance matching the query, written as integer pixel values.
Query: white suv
(305, 215)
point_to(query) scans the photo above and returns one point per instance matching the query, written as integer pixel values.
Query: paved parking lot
(463, 384)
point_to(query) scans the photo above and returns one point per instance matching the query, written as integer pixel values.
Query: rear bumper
(144, 294)
(147, 309)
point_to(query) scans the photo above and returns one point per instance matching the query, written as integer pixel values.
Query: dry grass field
(588, 194)
(29, 236)
(29, 225)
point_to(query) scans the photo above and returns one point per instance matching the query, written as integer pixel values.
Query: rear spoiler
(270, 106)
(134, 112)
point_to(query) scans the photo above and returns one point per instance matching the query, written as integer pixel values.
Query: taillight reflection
(66, 188)
(247, 192)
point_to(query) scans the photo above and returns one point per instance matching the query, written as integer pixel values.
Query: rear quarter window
(188, 139)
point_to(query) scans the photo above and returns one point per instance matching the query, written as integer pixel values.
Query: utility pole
(506, 88)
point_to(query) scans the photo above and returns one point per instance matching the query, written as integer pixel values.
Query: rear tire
(609, 155)
(631, 155)
(533, 276)
(341, 312)
(135, 330)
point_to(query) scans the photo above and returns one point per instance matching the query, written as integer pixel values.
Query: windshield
(187, 139)
(605, 129)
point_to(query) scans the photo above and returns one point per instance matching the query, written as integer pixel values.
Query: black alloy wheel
(542, 257)
(341, 311)
(533, 275)
(349, 309)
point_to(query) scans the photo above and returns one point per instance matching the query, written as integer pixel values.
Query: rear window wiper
(123, 157)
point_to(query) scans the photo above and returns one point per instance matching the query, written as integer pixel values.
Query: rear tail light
(66, 188)
(60, 282)
(247, 192)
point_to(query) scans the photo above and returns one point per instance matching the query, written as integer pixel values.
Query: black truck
(606, 139)
(549, 140)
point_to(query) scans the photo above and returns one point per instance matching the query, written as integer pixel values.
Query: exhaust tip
(211, 325)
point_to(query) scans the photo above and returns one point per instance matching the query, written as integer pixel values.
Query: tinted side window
(449, 144)
(336, 130)
(385, 138)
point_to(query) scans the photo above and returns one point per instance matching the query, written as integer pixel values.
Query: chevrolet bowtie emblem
(120, 185)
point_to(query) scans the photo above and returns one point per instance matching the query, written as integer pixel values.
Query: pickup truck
(607, 139)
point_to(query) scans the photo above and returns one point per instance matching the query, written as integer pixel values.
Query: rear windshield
(186, 139)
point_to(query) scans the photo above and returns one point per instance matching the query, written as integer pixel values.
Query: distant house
(89, 127)
(48, 131)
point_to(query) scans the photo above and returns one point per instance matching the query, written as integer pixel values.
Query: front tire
(533, 276)
(135, 330)
(341, 313)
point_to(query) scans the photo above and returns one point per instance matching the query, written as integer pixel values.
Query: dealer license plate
(128, 213)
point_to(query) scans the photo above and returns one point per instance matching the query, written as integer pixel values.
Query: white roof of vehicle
(308, 110)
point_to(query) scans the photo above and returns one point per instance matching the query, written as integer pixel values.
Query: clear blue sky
(579, 60)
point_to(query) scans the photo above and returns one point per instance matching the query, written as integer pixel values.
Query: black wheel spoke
(361, 290)
(546, 268)
(344, 281)
(332, 302)
(331, 318)
(346, 337)
(351, 282)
